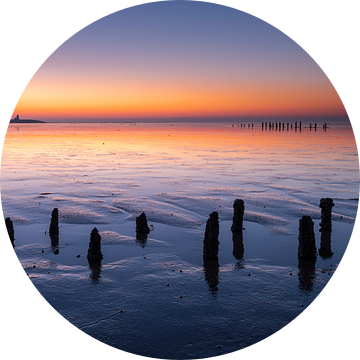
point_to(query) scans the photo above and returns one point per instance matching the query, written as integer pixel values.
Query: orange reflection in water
(100, 138)
(166, 157)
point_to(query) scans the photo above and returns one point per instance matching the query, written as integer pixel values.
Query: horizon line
(331, 118)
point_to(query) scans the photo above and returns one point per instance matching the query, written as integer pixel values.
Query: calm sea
(104, 175)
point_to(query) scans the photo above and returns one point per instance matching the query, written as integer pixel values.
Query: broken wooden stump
(211, 238)
(54, 224)
(326, 205)
(307, 246)
(142, 227)
(94, 251)
(239, 208)
(10, 230)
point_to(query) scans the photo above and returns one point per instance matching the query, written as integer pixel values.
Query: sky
(178, 59)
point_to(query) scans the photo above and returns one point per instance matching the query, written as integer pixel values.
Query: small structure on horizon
(10, 230)
(94, 251)
(307, 246)
(211, 237)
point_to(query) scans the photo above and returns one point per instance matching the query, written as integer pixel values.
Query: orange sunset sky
(178, 60)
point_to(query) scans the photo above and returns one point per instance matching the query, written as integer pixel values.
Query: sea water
(159, 297)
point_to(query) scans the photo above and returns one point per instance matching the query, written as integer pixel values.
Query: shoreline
(27, 121)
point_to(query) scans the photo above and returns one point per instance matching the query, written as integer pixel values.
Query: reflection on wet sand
(95, 270)
(211, 270)
(141, 239)
(54, 243)
(239, 266)
(325, 245)
(238, 245)
(306, 274)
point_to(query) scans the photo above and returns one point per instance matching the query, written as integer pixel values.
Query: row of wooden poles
(280, 125)
(306, 249)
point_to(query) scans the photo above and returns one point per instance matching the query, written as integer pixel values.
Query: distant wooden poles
(94, 251)
(326, 205)
(278, 126)
(10, 230)
(211, 238)
(307, 246)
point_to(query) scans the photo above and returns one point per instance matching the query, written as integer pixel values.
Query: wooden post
(10, 230)
(307, 246)
(239, 208)
(326, 205)
(94, 251)
(54, 224)
(211, 238)
(142, 225)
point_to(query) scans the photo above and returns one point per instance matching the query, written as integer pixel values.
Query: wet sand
(159, 298)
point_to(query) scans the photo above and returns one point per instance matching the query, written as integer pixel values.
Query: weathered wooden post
(94, 251)
(239, 208)
(326, 205)
(211, 238)
(237, 228)
(142, 227)
(307, 246)
(54, 224)
(10, 230)
(54, 231)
